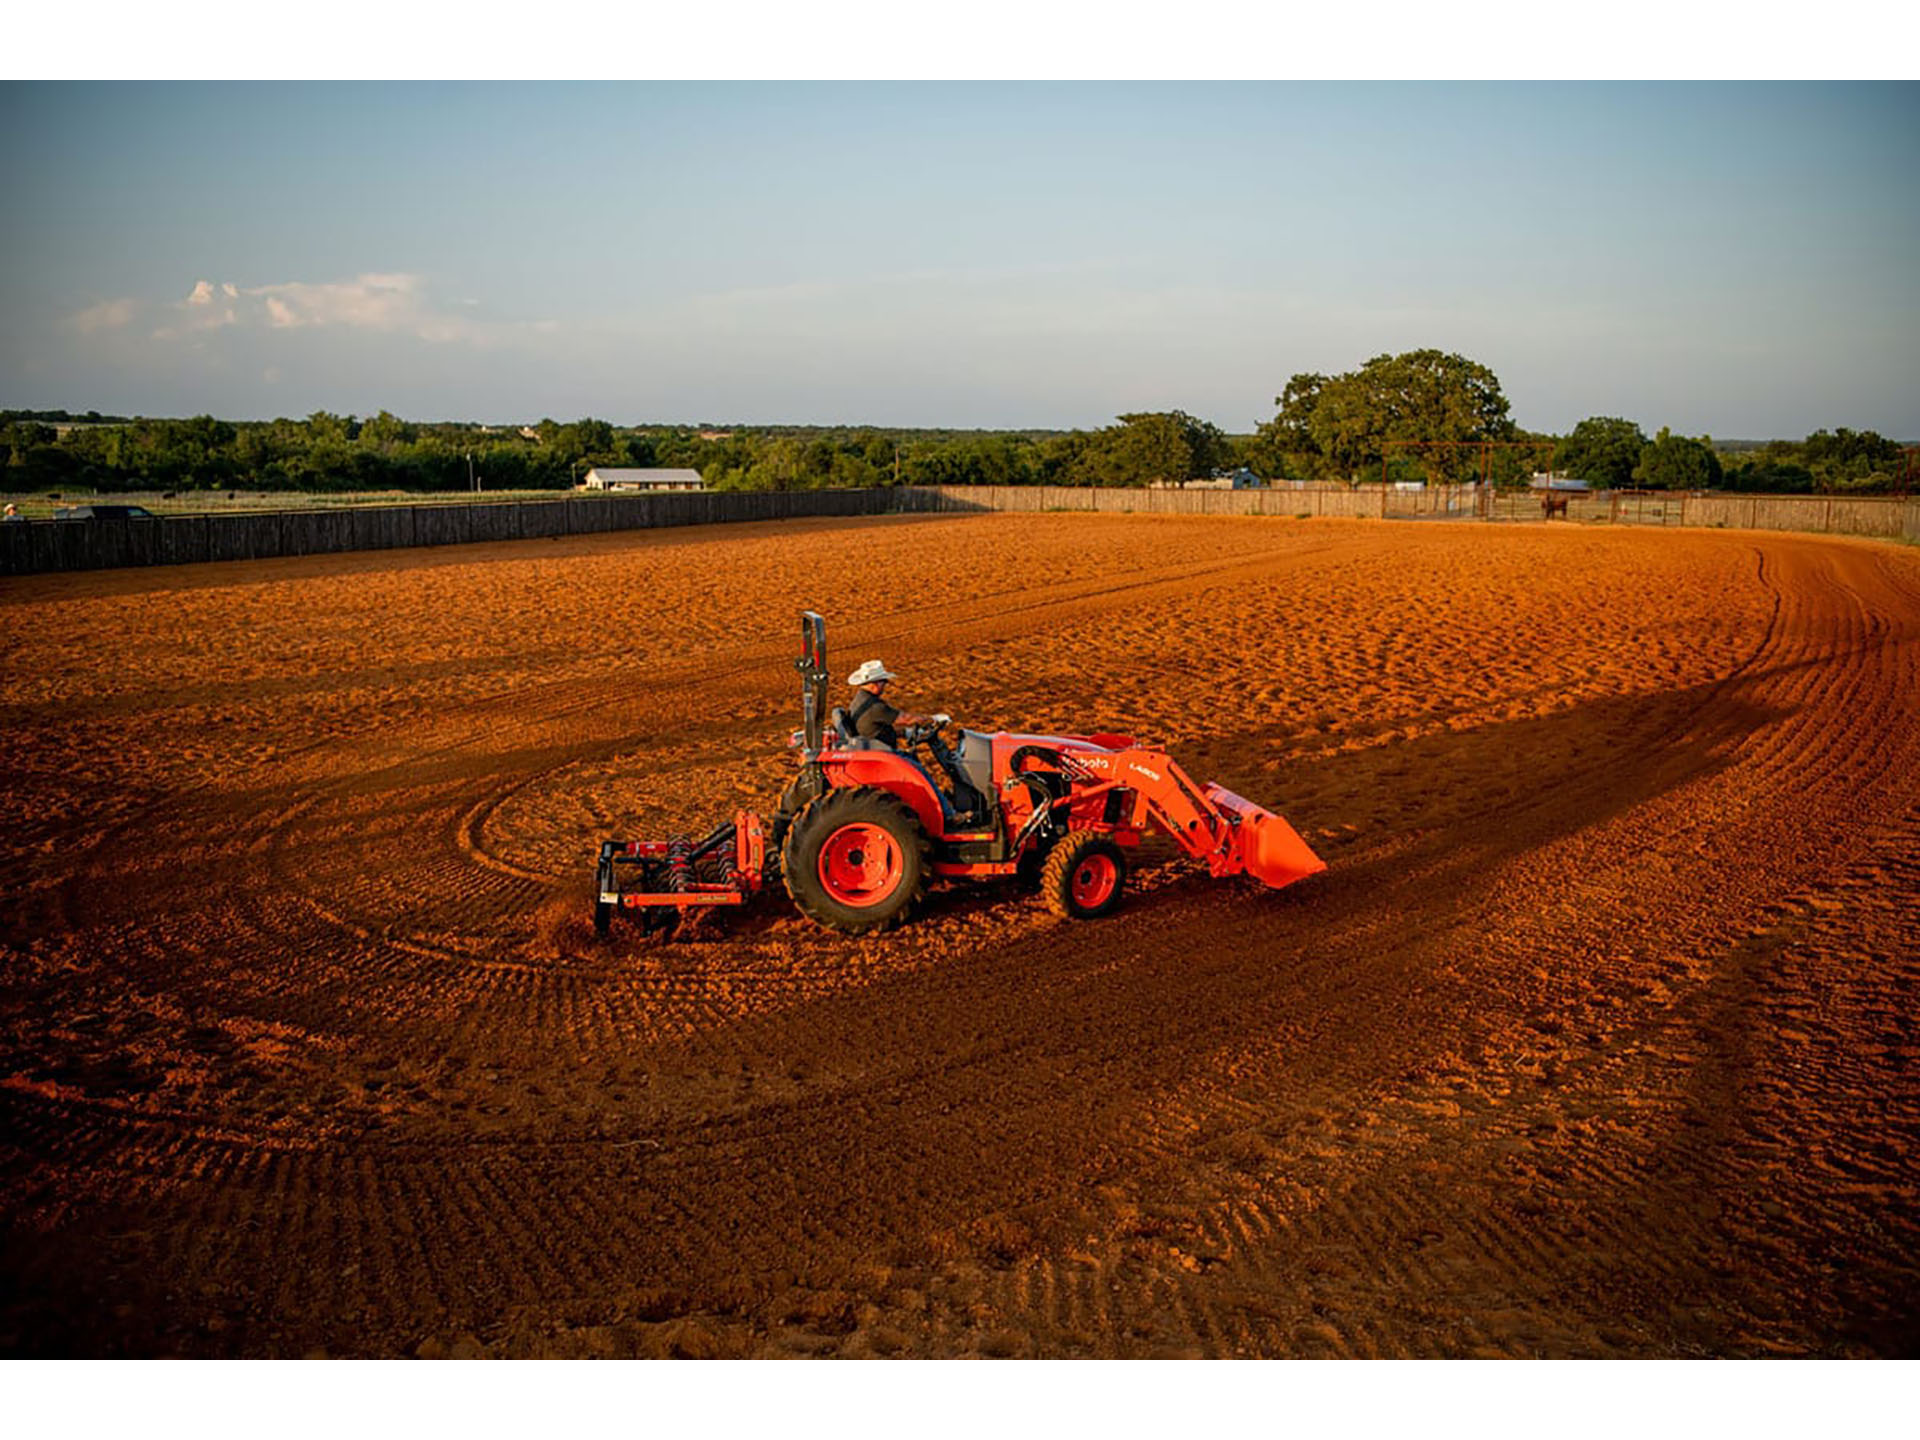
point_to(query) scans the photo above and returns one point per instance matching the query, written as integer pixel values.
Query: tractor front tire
(1083, 877)
(856, 860)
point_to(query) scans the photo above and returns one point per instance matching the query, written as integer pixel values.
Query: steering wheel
(915, 735)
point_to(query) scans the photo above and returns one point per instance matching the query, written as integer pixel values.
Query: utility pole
(470, 481)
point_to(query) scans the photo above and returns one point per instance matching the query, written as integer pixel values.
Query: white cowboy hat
(868, 673)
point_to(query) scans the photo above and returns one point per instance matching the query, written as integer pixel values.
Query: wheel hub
(861, 864)
(1093, 880)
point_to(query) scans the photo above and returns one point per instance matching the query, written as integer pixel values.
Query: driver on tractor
(870, 717)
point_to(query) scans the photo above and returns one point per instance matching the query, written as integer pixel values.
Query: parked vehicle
(103, 512)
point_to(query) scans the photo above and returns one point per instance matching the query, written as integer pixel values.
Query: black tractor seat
(843, 732)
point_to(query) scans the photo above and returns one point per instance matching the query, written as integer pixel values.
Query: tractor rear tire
(1083, 877)
(602, 917)
(856, 860)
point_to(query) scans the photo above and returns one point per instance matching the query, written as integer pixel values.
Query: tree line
(1420, 416)
(327, 452)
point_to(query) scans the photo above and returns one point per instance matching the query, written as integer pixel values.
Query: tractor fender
(887, 770)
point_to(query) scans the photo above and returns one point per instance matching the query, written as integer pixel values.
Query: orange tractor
(861, 833)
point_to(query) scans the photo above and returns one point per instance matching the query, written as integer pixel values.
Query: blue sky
(1731, 259)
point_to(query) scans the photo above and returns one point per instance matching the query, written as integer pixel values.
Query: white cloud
(203, 309)
(107, 315)
(385, 303)
(368, 302)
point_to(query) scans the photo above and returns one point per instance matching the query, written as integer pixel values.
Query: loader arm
(1232, 835)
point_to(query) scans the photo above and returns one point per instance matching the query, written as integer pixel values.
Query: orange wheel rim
(1094, 880)
(861, 865)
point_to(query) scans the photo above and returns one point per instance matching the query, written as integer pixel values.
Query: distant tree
(1844, 445)
(1340, 426)
(323, 428)
(386, 433)
(851, 471)
(777, 467)
(1239, 450)
(1601, 450)
(585, 440)
(1673, 462)
(816, 462)
(1168, 446)
(21, 436)
(32, 458)
(1057, 459)
(721, 463)
(877, 450)
(1290, 435)
(993, 460)
(1855, 460)
(1768, 477)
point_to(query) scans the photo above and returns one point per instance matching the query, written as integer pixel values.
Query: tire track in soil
(745, 1146)
(1386, 1213)
(1391, 1277)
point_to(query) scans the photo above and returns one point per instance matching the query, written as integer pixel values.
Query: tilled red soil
(1598, 1038)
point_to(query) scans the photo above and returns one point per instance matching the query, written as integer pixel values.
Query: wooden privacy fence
(1882, 517)
(38, 546)
(1825, 514)
(1304, 503)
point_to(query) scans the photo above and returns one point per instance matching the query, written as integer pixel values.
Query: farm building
(650, 479)
(1241, 479)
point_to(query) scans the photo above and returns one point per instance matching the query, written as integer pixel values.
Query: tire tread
(826, 813)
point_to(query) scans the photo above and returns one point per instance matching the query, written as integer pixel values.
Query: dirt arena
(1598, 1038)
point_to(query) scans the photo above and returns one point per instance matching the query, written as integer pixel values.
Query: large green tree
(1341, 426)
(1602, 450)
(1162, 446)
(1852, 459)
(1674, 462)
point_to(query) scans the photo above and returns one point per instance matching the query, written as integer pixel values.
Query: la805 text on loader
(861, 834)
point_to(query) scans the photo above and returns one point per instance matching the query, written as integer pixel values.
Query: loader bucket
(1266, 846)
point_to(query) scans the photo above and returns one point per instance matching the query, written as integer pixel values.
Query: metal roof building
(651, 479)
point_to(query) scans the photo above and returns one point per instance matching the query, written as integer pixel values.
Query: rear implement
(679, 877)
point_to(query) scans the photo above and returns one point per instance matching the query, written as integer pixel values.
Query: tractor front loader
(861, 833)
